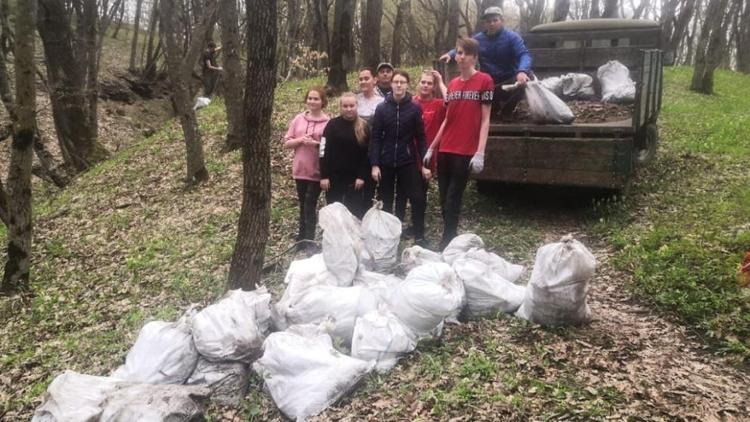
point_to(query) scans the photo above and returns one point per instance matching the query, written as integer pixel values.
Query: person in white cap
(503, 55)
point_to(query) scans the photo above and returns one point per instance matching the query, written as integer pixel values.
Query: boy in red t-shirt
(463, 134)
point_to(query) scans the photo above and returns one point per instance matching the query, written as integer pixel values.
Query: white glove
(427, 158)
(477, 163)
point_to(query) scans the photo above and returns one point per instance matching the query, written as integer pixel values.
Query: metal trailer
(600, 155)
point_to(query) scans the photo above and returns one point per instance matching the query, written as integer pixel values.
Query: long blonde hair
(360, 126)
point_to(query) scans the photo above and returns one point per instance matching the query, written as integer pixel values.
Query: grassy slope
(686, 226)
(127, 243)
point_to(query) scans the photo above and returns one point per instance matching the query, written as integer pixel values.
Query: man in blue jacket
(503, 55)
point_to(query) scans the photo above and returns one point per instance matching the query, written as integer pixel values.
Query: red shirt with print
(463, 118)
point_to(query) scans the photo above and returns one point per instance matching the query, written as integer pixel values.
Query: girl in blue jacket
(394, 156)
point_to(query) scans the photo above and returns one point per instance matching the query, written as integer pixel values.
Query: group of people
(388, 144)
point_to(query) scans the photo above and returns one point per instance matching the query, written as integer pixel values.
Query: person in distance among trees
(343, 157)
(211, 71)
(303, 137)
(463, 135)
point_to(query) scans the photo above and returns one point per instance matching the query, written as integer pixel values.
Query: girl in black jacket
(343, 157)
(395, 157)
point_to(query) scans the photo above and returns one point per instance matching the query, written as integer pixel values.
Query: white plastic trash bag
(497, 264)
(155, 403)
(545, 106)
(233, 328)
(486, 291)
(228, 381)
(380, 336)
(201, 102)
(554, 84)
(305, 374)
(576, 86)
(617, 86)
(317, 303)
(382, 234)
(164, 353)
(556, 293)
(416, 255)
(304, 270)
(382, 285)
(342, 242)
(74, 397)
(429, 294)
(460, 245)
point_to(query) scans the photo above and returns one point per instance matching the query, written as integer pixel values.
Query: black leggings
(307, 193)
(342, 190)
(409, 181)
(453, 174)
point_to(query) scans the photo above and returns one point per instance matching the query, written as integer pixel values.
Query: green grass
(686, 225)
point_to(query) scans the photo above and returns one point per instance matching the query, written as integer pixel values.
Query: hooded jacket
(395, 128)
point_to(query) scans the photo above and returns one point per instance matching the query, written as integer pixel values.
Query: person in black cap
(503, 55)
(385, 74)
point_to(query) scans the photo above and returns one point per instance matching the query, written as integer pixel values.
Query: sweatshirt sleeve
(325, 171)
(376, 136)
(419, 134)
(522, 55)
(363, 170)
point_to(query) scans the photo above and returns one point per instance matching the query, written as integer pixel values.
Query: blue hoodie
(502, 54)
(395, 128)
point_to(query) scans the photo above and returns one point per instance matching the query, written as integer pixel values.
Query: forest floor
(128, 242)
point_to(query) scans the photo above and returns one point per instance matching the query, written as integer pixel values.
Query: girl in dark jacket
(394, 155)
(343, 157)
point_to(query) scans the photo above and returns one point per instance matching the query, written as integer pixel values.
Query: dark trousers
(400, 210)
(409, 181)
(504, 102)
(307, 194)
(453, 174)
(342, 190)
(210, 78)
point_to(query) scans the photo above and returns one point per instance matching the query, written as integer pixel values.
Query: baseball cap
(382, 65)
(494, 10)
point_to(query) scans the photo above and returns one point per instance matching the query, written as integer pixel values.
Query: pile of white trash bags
(343, 313)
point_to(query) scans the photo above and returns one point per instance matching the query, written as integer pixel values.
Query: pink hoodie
(305, 165)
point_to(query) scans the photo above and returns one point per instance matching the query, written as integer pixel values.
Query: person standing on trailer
(385, 74)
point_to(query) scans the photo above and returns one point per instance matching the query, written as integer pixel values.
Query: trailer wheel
(647, 145)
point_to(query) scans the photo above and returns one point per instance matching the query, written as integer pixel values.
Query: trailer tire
(646, 148)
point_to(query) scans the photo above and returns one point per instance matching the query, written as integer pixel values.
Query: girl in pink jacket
(303, 136)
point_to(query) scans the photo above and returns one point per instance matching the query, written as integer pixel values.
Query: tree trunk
(289, 47)
(342, 32)
(120, 17)
(451, 35)
(371, 30)
(136, 31)
(149, 69)
(743, 40)
(319, 24)
(610, 9)
(252, 228)
(679, 26)
(72, 78)
(562, 7)
(180, 69)
(709, 49)
(16, 275)
(594, 13)
(6, 34)
(4, 211)
(402, 12)
(532, 13)
(230, 40)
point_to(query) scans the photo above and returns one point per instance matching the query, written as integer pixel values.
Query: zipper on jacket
(395, 144)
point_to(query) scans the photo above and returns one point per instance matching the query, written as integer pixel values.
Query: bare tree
(252, 228)
(136, 32)
(371, 28)
(561, 10)
(319, 25)
(594, 11)
(743, 39)
(230, 40)
(531, 13)
(402, 15)
(180, 69)
(72, 71)
(152, 52)
(342, 32)
(710, 47)
(610, 9)
(120, 16)
(17, 266)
